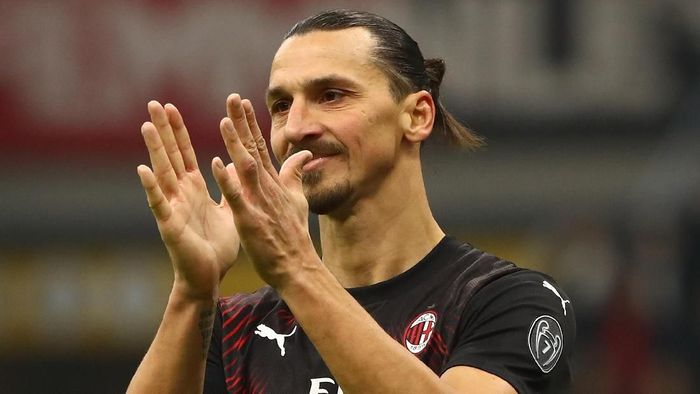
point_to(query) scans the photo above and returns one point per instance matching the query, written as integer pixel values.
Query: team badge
(546, 342)
(419, 332)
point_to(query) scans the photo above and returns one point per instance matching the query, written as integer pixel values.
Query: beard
(324, 200)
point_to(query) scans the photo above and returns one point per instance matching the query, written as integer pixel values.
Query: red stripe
(234, 331)
(236, 345)
(235, 315)
(231, 364)
(415, 336)
(235, 305)
(235, 381)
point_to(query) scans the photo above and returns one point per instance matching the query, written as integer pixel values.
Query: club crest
(419, 332)
(546, 342)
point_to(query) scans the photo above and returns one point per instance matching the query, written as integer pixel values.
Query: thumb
(290, 173)
(230, 186)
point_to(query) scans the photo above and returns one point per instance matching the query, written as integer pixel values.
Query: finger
(162, 169)
(156, 199)
(235, 111)
(231, 170)
(291, 171)
(165, 130)
(230, 186)
(182, 137)
(245, 164)
(258, 138)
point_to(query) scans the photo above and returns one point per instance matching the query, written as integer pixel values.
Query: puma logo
(266, 332)
(563, 301)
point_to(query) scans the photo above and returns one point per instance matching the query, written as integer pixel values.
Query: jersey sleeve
(520, 327)
(214, 380)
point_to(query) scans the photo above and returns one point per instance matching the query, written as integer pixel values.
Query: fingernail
(218, 163)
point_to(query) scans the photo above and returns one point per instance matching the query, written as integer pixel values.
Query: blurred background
(591, 110)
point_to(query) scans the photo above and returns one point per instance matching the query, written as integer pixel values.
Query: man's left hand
(270, 209)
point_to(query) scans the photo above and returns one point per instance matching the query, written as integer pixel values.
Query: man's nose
(301, 123)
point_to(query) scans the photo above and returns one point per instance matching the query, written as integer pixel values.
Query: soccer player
(394, 305)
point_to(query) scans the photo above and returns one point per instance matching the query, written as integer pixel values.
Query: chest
(279, 357)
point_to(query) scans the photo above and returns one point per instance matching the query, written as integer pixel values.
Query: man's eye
(280, 106)
(332, 95)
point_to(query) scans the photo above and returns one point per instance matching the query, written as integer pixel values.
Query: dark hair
(398, 55)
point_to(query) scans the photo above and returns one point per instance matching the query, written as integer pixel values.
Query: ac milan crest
(419, 332)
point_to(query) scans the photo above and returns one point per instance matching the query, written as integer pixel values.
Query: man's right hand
(199, 233)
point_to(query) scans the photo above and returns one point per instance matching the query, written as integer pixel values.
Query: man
(394, 306)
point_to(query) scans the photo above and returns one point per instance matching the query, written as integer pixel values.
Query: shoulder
(517, 324)
(489, 278)
(470, 269)
(524, 299)
(243, 305)
(536, 291)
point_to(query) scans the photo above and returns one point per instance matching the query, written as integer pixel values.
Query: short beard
(324, 201)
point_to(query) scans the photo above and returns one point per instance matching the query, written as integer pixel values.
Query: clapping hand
(199, 233)
(270, 208)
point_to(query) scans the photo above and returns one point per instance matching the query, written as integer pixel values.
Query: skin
(335, 125)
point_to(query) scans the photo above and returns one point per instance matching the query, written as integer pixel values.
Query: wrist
(183, 293)
(312, 276)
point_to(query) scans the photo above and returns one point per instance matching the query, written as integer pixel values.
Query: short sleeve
(520, 327)
(214, 380)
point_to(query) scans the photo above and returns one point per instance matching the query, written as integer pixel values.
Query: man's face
(326, 96)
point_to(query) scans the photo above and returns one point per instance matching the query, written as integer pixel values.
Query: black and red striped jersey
(457, 306)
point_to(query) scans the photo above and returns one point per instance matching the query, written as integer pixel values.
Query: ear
(418, 116)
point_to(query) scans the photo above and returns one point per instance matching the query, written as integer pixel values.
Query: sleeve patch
(546, 342)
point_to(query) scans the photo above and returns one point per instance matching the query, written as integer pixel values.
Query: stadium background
(591, 109)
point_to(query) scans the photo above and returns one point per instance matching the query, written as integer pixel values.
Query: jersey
(458, 306)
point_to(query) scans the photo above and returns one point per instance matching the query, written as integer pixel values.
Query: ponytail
(445, 122)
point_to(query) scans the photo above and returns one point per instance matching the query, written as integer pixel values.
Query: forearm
(370, 362)
(176, 359)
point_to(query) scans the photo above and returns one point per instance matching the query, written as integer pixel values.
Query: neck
(384, 235)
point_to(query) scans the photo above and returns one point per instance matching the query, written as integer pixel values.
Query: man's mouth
(316, 162)
(322, 152)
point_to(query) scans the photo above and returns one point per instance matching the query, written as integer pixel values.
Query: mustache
(317, 148)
